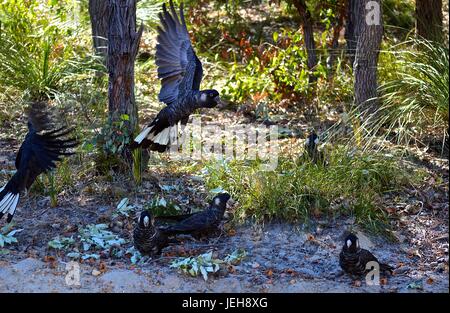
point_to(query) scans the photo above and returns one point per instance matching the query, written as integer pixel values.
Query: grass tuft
(349, 185)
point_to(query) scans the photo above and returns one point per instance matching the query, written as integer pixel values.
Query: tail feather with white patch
(156, 135)
(139, 138)
(8, 203)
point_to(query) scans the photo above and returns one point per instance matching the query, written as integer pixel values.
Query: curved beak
(231, 203)
(220, 104)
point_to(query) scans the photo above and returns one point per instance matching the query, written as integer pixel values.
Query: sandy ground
(281, 258)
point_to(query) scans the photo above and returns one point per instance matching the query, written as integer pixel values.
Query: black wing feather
(38, 154)
(178, 66)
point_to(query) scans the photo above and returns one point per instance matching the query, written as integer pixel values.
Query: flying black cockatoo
(147, 238)
(43, 146)
(201, 223)
(180, 72)
(353, 259)
(312, 151)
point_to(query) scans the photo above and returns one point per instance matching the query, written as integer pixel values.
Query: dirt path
(280, 259)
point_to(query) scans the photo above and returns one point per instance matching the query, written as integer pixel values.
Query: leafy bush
(111, 143)
(399, 14)
(274, 71)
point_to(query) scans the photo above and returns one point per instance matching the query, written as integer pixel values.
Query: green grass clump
(414, 94)
(349, 184)
(41, 51)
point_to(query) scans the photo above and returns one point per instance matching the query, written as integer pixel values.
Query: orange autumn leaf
(49, 258)
(102, 267)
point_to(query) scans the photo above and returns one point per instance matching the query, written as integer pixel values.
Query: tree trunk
(353, 8)
(342, 10)
(99, 15)
(370, 34)
(123, 45)
(308, 33)
(429, 19)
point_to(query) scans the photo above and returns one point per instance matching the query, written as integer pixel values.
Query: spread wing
(178, 66)
(37, 154)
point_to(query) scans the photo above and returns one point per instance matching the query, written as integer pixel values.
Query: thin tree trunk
(123, 45)
(429, 19)
(99, 15)
(336, 33)
(308, 33)
(353, 7)
(370, 34)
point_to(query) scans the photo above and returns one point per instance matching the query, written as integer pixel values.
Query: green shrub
(350, 184)
(40, 48)
(274, 72)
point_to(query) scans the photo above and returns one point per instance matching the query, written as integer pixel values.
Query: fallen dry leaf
(291, 272)
(231, 269)
(102, 267)
(49, 258)
(269, 272)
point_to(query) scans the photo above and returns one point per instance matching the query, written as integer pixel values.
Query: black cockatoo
(353, 259)
(147, 238)
(312, 151)
(180, 72)
(201, 223)
(42, 147)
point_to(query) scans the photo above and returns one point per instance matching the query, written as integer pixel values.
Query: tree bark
(99, 15)
(370, 34)
(353, 7)
(308, 33)
(429, 19)
(342, 10)
(123, 45)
